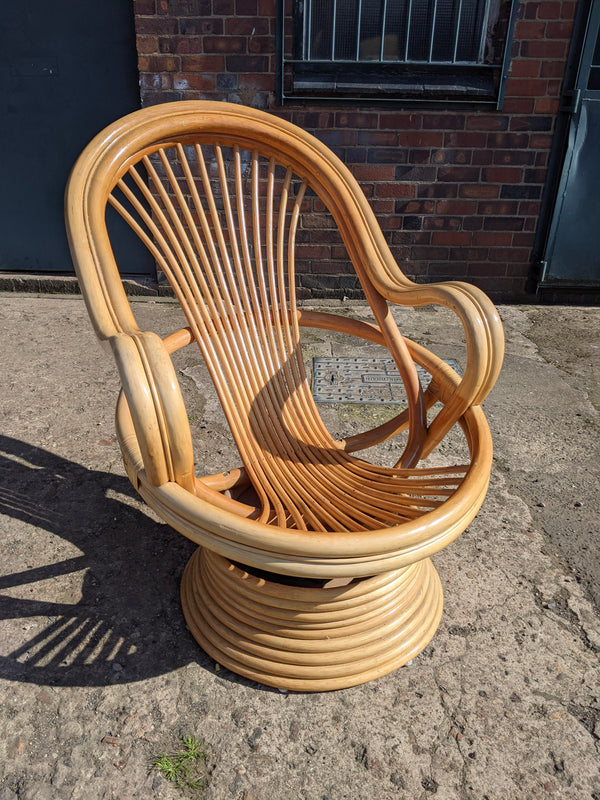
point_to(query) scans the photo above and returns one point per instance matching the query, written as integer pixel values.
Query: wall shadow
(128, 624)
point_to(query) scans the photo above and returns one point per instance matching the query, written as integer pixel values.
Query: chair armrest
(484, 338)
(156, 406)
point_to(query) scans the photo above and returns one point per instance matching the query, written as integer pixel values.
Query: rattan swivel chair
(313, 568)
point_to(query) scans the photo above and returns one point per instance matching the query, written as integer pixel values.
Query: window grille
(408, 49)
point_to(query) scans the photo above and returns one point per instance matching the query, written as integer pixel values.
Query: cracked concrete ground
(99, 675)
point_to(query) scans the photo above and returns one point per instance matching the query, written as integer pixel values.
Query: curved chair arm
(483, 335)
(156, 406)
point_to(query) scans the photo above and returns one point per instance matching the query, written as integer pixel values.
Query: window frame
(318, 81)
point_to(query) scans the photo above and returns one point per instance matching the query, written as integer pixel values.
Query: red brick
(420, 138)
(225, 44)
(384, 155)
(502, 174)
(411, 237)
(378, 138)
(355, 119)
(246, 26)
(529, 208)
(453, 238)
(526, 87)
(321, 120)
(464, 139)
(540, 141)
(500, 207)
(535, 122)
(161, 26)
(521, 68)
(549, 10)
(198, 81)
(420, 156)
(529, 10)
(552, 69)
(503, 224)
(261, 44)
(451, 156)
(400, 121)
(425, 253)
(536, 175)
(493, 238)
(513, 157)
(203, 63)
(442, 223)
(244, 64)
(559, 30)
(394, 190)
(444, 271)
(374, 173)
(482, 157)
(472, 223)
(525, 29)
(463, 207)
(518, 105)
(156, 80)
(144, 7)
(462, 253)
(414, 207)
(246, 8)
(479, 190)
(147, 44)
(459, 174)
(567, 10)
(508, 140)
(544, 49)
(444, 121)
(509, 254)
(482, 268)
(487, 122)
(312, 251)
(554, 88)
(547, 105)
(523, 239)
(438, 190)
(224, 8)
(267, 8)
(387, 206)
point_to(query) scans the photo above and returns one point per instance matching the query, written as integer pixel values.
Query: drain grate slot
(362, 380)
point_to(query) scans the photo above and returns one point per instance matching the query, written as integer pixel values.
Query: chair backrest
(215, 192)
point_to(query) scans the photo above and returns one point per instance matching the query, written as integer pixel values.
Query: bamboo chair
(313, 571)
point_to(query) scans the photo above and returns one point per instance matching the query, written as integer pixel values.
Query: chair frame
(379, 599)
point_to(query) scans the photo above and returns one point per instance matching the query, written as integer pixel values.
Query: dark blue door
(572, 257)
(67, 69)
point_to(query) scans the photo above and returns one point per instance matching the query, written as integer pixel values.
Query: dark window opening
(455, 50)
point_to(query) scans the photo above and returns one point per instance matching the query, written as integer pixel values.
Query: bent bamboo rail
(217, 192)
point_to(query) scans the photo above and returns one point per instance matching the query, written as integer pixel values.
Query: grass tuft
(186, 767)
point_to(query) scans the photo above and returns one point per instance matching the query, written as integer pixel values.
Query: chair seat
(334, 491)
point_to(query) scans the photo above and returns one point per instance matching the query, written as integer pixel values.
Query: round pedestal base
(309, 635)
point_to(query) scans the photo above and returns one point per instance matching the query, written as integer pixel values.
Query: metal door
(572, 257)
(67, 69)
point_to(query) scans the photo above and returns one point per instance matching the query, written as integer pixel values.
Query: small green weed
(186, 768)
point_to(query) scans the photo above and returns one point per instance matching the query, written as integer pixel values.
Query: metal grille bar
(423, 31)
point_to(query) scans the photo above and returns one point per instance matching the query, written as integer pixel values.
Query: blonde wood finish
(217, 192)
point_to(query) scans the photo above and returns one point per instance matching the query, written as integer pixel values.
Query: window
(451, 50)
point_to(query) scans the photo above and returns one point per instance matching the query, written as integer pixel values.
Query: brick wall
(457, 193)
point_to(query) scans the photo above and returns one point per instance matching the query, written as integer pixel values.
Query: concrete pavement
(99, 675)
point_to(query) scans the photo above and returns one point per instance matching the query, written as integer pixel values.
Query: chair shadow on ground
(128, 624)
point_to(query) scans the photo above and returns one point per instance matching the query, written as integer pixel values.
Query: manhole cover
(362, 380)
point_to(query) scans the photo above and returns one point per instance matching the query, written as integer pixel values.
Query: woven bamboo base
(303, 638)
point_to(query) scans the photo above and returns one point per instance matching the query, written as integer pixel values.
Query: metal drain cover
(362, 380)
